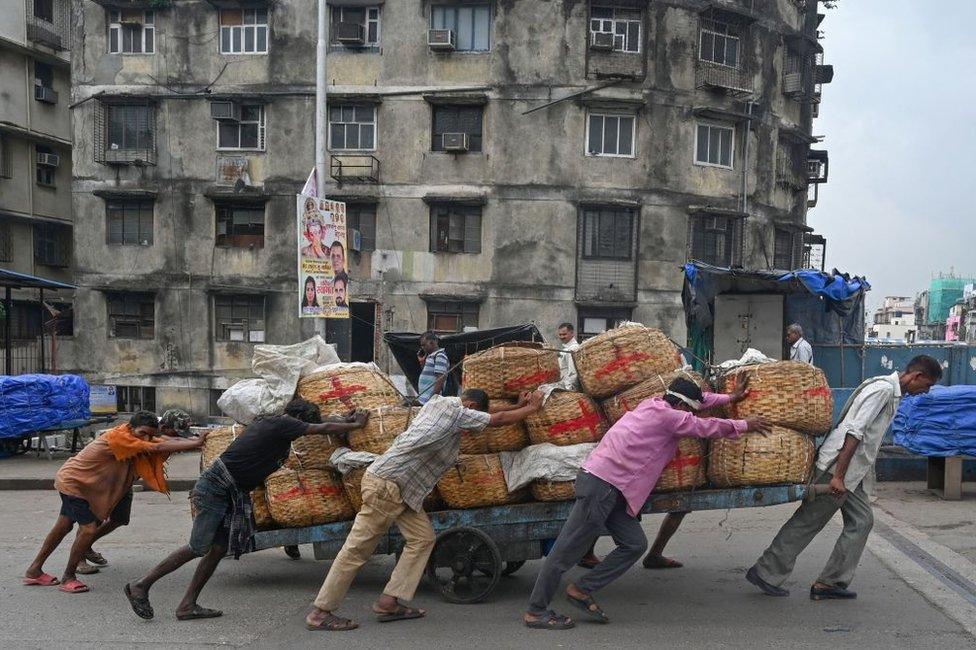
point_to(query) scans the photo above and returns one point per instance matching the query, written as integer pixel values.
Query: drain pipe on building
(321, 123)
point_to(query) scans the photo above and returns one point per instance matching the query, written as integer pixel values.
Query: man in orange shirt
(96, 487)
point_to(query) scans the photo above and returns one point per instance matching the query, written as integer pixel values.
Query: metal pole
(321, 122)
(7, 308)
(41, 309)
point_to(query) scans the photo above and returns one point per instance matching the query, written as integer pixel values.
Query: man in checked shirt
(393, 489)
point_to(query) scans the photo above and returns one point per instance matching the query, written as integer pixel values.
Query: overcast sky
(900, 125)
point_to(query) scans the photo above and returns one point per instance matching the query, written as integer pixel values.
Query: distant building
(955, 330)
(895, 319)
(944, 292)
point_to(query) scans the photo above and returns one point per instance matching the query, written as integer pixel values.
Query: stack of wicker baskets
(567, 418)
(686, 470)
(343, 388)
(507, 370)
(217, 442)
(543, 490)
(313, 452)
(352, 481)
(307, 498)
(655, 386)
(788, 393)
(782, 456)
(477, 481)
(509, 437)
(384, 425)
(622, 357)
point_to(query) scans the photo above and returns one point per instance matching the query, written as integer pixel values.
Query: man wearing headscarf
(175, 423)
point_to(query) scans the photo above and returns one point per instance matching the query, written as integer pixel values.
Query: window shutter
(434, 212)
(472, 232)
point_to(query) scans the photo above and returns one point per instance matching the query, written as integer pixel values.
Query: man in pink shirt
(612, 487)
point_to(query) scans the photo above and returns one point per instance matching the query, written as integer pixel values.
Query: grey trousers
(778, 560)
(599, 507)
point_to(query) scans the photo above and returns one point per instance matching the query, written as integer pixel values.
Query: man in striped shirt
(436, 366)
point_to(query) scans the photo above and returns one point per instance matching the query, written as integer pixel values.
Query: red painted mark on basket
(535, 379)
(819, 391)
(622, 363)
(680, 462)
(589, 419)
(302, 491)
(342, 392)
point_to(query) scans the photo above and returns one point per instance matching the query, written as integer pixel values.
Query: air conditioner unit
(45, 94)
(455, 141)
(351, 33)
(225, 111)
(48, 159)
(355, 240)
(441, 39)
(601, 41)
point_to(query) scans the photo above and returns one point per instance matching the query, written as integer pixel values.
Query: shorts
(212, 504)
(79, 510)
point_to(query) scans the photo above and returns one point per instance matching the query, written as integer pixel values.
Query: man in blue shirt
(436, 365)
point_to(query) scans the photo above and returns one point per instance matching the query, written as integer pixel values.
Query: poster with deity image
(323, 277)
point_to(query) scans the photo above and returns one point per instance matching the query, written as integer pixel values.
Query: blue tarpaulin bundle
(939, 423)
(30, 403)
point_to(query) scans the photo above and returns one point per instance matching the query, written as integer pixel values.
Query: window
(719, 43)
(43, 75)
(451, 316)
(368, 17)
(783, 249)
(596, 320)
(52, 244)
(129, 399)
(352, 128)
(215, 411)
(457, 119)
(716, 240)
(131, 31)
(610, 135)
(608, 233)
(244, 31)
(471, 25)
(239, 318)
(244, 134)
(44, 9)
(624, 24)
(129, 126)
(240, 225)
(713, 145)
(129, 222)
(455, 228)
(4, 156)
(362, 217)
(131, 315)
(6, 250)
(45, 165)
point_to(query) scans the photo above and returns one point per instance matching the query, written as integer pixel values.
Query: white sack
(344, 460)
(750, 357)
(545, 461)
(248, 399)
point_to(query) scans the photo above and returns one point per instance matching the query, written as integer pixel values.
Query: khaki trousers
(382, 507)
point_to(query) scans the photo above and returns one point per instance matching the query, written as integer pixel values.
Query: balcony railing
(48, 24)
(355, 168)
(713, 76)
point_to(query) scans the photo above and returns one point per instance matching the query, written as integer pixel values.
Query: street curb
(23, 484)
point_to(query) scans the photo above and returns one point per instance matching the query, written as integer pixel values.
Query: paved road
(265, 596)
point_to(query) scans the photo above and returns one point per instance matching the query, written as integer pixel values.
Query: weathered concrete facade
(535, 183)
(35, 173)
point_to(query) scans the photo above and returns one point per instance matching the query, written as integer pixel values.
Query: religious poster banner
(323, 277)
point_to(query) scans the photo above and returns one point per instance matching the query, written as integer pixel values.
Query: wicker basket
(217, 443)
(352, 481)
(476, 482)
(307, 498)
(384, 425)
(312, 452)
(791, 394)
(655, 386)
(553, 490)
(622, 357)
(687, 469)
(512, 437)
(507, 370)
(259, 505)
(339, 390)
(567, 418)
(473, 442)
(782, 456)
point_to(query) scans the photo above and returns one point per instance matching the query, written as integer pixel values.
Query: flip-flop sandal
(333, 624)
(198, 613)
(661, 562)
(586, 604)
(96, 558)
(86, 569)
(43, 580)
(401, 613)
(140, 606)
(550, 621)
(74, 587)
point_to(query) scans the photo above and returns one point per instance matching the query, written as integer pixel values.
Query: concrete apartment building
(895, 319)
(503, 161)
(35, 179)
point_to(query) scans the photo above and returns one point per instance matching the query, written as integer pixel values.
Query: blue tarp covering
(837, 287)
(30, 403)
(939, 423)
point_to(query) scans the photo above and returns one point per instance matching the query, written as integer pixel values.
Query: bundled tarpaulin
(545, 461)
(30, 403)
(404, 346)
(939, 423)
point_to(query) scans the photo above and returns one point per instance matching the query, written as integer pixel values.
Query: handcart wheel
(465, 565)
(512, 567)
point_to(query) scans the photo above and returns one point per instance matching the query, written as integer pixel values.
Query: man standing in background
(800, 350)
(433, 358)
(567, 369)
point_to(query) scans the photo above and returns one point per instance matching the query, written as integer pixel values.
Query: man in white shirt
(800, 350)
(845, 460)
(567, 369)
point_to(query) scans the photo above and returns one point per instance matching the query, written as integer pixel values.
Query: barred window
(719, 43)
(244, 31)
(129, 222)
(240, 225)
(783, 249)
(131, 31)
(6, 249)
(471, 24)
(623, 23)
(246, 133)
(445, 316)
(129, 399)
(457, 119)
(713, 145)
(129, 126)
(52, 244)
(362, 217)
(716, 240)
(239, 318)
(352, 128)
(608, 233)
(455, 228)
(131, 315)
